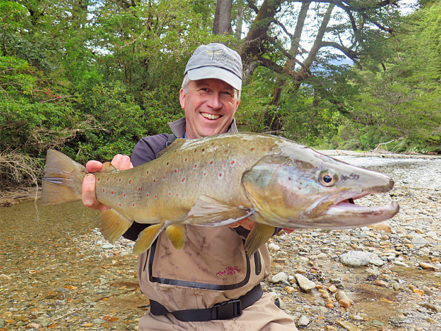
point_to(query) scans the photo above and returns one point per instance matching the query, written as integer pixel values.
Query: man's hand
(120, 162)
(246, 223)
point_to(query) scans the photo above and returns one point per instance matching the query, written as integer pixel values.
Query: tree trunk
(222, 18)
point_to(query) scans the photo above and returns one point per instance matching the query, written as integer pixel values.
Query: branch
(252, 5)
(345, 50)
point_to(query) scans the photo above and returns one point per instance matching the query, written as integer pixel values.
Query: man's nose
(215, 101)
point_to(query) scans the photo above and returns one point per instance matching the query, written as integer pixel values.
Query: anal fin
(113, 225)
(176, 233)
(259, 235)
(147, 237)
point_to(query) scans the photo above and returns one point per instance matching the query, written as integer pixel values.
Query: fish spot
(156, 196)
(98, 179)
(133, 205)
(124, 195)
(233, 163)
(112, 192)
(195, 166)
(211, 162)
(184, 179)
(104, 190)
(221, 175)
(120, 204)
(185, 159)
(205, 174)
(176, 170)
(169, 194)
(130, 181)
(154, 180)
(163, 177)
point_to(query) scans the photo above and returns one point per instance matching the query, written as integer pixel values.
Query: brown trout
(223, 179)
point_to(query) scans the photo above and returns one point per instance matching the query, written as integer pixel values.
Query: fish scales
(220, 180)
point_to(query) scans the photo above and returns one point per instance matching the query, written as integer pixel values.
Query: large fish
(220, 180)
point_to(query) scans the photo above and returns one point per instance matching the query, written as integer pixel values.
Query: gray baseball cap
(216, 61)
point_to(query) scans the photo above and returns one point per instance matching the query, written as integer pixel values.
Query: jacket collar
(178, 127)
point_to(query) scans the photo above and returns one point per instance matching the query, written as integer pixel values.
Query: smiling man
(211, 283)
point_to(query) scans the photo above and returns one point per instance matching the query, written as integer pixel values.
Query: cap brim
(215, 73)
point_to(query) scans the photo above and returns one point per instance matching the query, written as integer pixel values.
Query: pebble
(428, 266)
(303, 321)
(348, 326)
(273, 247)
(419, 241)
(280, 277)
(360, 258)
(304, 283)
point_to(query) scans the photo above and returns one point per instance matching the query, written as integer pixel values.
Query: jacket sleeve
(146, 150)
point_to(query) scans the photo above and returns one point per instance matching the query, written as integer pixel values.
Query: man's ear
(182, 96)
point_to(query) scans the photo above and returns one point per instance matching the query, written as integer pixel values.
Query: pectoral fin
(259, 234)
(211, 212)
(113, 225)
(176, 233)
(147, 237)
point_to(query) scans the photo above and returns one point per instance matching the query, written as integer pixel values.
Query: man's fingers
(88, 191)
(94, 166)
(246, 223)
(121, 162)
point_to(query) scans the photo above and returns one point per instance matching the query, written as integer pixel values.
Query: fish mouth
(345, 213)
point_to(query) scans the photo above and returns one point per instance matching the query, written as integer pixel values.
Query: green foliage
(398, 108)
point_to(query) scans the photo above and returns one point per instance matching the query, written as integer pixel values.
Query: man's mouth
(210, 116)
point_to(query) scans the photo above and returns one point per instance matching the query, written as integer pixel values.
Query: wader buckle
(226, 310)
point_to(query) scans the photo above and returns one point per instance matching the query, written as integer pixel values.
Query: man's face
(209, 106)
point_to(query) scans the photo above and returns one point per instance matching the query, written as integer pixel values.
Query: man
(210, 284)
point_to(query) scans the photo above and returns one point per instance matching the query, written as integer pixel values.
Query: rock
(280, 277)
(304, 283)
(428, 266)
(332, 288)
(107, 246)
(273, 247)
(303, 321)
(360, 258)
(419, 241)
(348, 326)
(383, 226)
(380, 283)
(343, 299)
(33, 326)
(289, 289)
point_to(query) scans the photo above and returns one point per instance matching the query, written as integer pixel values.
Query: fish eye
(327, 178)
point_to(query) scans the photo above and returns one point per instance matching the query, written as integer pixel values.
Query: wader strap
(220, 311)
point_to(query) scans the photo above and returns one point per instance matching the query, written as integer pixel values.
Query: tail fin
(62, 179)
